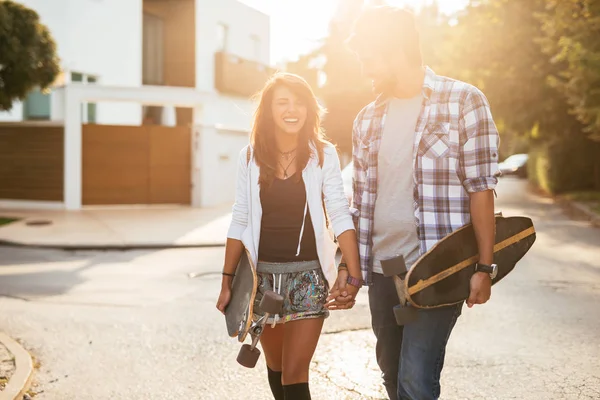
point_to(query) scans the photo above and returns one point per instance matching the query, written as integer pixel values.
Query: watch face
(494, 272)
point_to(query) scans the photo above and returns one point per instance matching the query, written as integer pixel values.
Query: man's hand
(481, 289)
(341, 296)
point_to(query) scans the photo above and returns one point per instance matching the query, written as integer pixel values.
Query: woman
(286, 177)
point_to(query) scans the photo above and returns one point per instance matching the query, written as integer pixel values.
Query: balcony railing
(237, 76)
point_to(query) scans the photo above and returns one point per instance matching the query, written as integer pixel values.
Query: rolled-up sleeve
(479, 149)
(239, 217)
(336, 202)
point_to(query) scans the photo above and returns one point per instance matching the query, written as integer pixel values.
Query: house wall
(101, 38)
(243, 23)
(223, 126)
(221, 123)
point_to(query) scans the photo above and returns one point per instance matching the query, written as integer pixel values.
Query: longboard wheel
(271, 303)
(405, 314)
(248, 357)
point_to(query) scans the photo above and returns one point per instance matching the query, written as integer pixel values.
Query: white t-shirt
(395, 228)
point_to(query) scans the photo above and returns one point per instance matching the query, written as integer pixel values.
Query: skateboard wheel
(271, 303)
(248, 357)
(405, 314)
(394, 266)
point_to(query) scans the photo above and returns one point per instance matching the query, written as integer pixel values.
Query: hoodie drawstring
(302, 229)
(276, 289)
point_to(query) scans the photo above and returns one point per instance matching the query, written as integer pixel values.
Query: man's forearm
(484, 224)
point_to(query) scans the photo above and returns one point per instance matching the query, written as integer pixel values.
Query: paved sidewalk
(113, 228)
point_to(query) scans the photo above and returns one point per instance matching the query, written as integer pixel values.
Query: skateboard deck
(442, 276)
(239, 311)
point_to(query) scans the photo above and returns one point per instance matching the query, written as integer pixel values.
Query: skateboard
(441, 277)
(239, 313)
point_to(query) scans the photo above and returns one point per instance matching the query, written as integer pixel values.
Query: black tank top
(282, 211)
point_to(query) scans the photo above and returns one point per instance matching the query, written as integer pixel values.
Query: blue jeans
(410, 357)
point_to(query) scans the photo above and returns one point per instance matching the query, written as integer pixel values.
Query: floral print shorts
(302, 285)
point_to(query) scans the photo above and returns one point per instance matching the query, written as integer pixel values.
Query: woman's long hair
(262, 138)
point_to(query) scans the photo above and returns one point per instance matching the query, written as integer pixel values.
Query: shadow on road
(27, 272)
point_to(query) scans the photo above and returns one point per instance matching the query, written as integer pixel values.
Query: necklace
(285, 169)
(287, 154)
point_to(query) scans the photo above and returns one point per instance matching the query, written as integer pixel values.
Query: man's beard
(385, 86)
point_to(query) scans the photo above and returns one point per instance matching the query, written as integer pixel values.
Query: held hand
(224, 298)
(344, 303)
(481, 289)
(339, 291)
(342, 295)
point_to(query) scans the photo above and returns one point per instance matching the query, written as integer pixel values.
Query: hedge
(565, 165)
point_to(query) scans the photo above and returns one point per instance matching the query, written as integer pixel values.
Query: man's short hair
(388, 29)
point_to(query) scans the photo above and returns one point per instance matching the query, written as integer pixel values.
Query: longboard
(441, 277)
(239, 311)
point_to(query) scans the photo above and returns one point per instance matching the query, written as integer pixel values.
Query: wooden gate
(136, 165)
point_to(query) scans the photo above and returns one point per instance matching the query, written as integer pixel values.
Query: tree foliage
(537, 61)
(28, 57)
(571, 37)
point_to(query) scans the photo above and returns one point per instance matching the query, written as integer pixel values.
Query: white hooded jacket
(322, 183)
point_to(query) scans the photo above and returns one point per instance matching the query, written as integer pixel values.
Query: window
(255, 47)
(88, 110)
(37, 106)
(153, 50)
(222, 37)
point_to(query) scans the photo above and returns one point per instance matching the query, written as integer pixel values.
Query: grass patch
(5, 220)
(590, 198)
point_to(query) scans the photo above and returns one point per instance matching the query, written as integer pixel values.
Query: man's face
(383, 69)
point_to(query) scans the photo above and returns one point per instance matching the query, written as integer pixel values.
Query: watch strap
(354, 282)
(484, 268)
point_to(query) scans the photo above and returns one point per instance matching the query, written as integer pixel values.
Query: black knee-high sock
(297, 391)
(275, 383)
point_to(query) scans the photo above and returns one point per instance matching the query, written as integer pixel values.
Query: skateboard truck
(396, 269)
(270, 304)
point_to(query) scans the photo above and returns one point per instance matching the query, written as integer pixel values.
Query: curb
(20, 380)
(112, 247)
(580, 210)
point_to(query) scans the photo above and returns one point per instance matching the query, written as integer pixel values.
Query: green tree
(28, 57)
(572, 38)
(495, 46)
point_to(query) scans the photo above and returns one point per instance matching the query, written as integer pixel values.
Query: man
(425, 164)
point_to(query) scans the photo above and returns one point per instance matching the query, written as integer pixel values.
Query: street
(135, 324)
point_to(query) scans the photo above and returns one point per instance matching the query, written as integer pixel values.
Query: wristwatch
(489, 269)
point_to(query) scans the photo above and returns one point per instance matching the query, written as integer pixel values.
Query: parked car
(347, 173)
(515, 165)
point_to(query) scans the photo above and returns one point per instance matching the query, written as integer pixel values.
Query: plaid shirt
(455, 153)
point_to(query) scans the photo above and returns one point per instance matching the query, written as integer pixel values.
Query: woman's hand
(224, 298)
(342, 296)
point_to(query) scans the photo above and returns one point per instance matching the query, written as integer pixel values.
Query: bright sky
(297, 25)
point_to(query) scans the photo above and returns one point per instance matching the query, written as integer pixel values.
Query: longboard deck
(442, 275)
(238, 314)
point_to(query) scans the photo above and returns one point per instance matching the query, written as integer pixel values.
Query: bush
(564, 165)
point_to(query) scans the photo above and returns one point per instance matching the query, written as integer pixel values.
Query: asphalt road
(134, 324)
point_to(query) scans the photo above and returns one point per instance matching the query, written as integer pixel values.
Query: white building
(126, 65)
